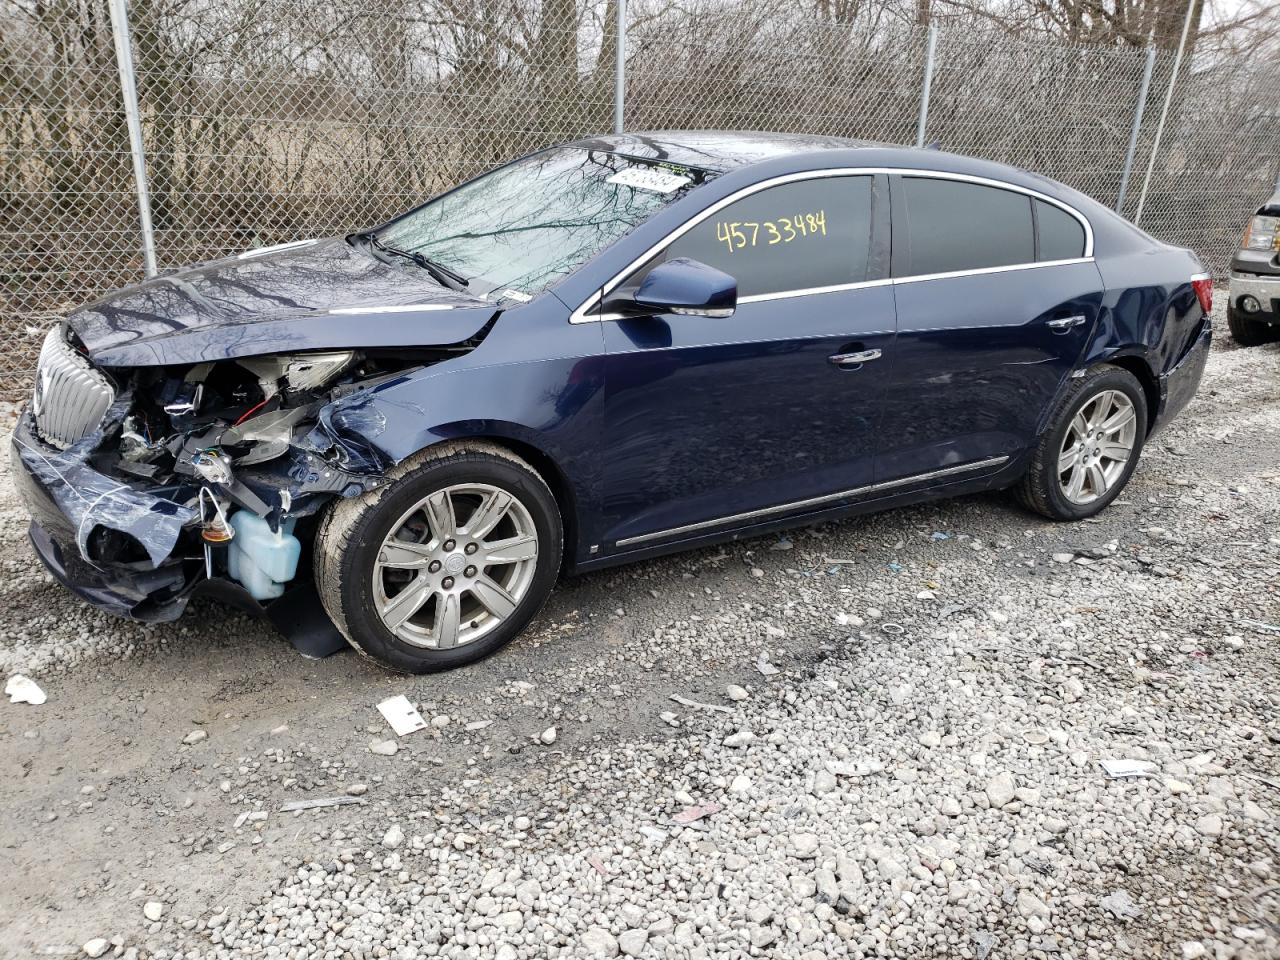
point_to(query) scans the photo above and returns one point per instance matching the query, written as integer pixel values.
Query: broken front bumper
(123, 550)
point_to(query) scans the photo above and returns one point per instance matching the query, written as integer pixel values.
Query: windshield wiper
(443, 275)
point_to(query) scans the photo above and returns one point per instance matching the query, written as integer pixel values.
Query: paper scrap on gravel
(402, 716)
(22, 689)
(1122, 905)
(1124, 769)
(695, 813)
(766, 668)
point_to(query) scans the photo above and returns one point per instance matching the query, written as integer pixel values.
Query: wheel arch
(555, 478)
(528, 446)
(1134, 362)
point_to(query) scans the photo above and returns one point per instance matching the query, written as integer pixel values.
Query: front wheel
(444, 564)
(1091, 448)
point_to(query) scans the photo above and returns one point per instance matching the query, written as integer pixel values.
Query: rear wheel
(1091, 447)
(1249, 332)
(443, 565)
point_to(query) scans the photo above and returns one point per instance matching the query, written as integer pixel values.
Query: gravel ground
(888, 746)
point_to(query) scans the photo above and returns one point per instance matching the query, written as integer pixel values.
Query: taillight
(1263, 233)
(1202, 284)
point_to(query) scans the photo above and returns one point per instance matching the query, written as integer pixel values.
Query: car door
(717, 422)
(996, 296)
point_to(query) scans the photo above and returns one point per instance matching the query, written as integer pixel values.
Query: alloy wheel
(455, 565)
(1097, 447)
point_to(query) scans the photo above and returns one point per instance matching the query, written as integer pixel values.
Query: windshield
(524, 226)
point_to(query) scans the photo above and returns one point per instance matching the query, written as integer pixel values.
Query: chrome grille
(70, 397)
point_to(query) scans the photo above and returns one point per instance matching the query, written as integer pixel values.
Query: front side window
(795, 236)
(953, 225)
(528, 224)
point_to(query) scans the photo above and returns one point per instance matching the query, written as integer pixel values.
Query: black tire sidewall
(1113, 379)
(1248, 331)
(356, 565)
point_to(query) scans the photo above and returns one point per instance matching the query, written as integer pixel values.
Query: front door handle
(854, 359)
(1063, 324)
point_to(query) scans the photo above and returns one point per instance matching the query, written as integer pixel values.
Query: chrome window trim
(581, 315)
(811, 501)
(813, 291)
(980, 271)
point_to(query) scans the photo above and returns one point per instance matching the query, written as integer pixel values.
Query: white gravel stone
(824, 781)
(804, 846)
(1001, 790)
(1030, 905)
(96, 947)
(1210, 825)
(153, 910)
(599, 942)
(633, 942)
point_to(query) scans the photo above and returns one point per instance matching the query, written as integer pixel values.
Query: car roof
(716, 150)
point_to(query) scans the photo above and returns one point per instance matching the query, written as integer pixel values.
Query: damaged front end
(150, 484)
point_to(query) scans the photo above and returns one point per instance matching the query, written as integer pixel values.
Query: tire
(1250, 333)
(363, 578)
(1046, 490)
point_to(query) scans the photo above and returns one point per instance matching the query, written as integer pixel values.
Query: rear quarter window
(1061, 234)
(953, 226)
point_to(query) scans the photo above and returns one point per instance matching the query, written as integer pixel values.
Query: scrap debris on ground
(974, 733)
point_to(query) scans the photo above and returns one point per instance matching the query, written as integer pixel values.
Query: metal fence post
(620, 70)
(129, 93)
(1137, 126)
(923, 122)
(1164, 112)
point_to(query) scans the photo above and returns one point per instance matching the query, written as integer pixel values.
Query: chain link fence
(270, 120)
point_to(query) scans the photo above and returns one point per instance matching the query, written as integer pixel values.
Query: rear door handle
(1063, 324)
(854, 359)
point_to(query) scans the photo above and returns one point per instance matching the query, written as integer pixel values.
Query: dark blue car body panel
(661, 431)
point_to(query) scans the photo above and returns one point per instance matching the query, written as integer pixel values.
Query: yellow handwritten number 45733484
(737, 234)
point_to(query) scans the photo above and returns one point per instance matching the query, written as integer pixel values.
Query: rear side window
(1061, 234)
(811, 233)
(953, 225)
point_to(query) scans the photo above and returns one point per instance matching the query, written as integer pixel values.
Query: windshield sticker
(648, 178)
(516, 295)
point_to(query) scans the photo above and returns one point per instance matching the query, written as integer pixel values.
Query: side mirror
(688, 287)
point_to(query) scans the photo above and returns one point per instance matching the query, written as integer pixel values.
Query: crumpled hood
(313, 295)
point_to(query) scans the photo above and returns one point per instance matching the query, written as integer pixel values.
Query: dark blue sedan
(604, 351)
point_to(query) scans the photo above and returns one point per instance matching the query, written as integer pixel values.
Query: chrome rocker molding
(812, 501)
(583, 314)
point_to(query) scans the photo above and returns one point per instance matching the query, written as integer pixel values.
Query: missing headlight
(299, 372)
